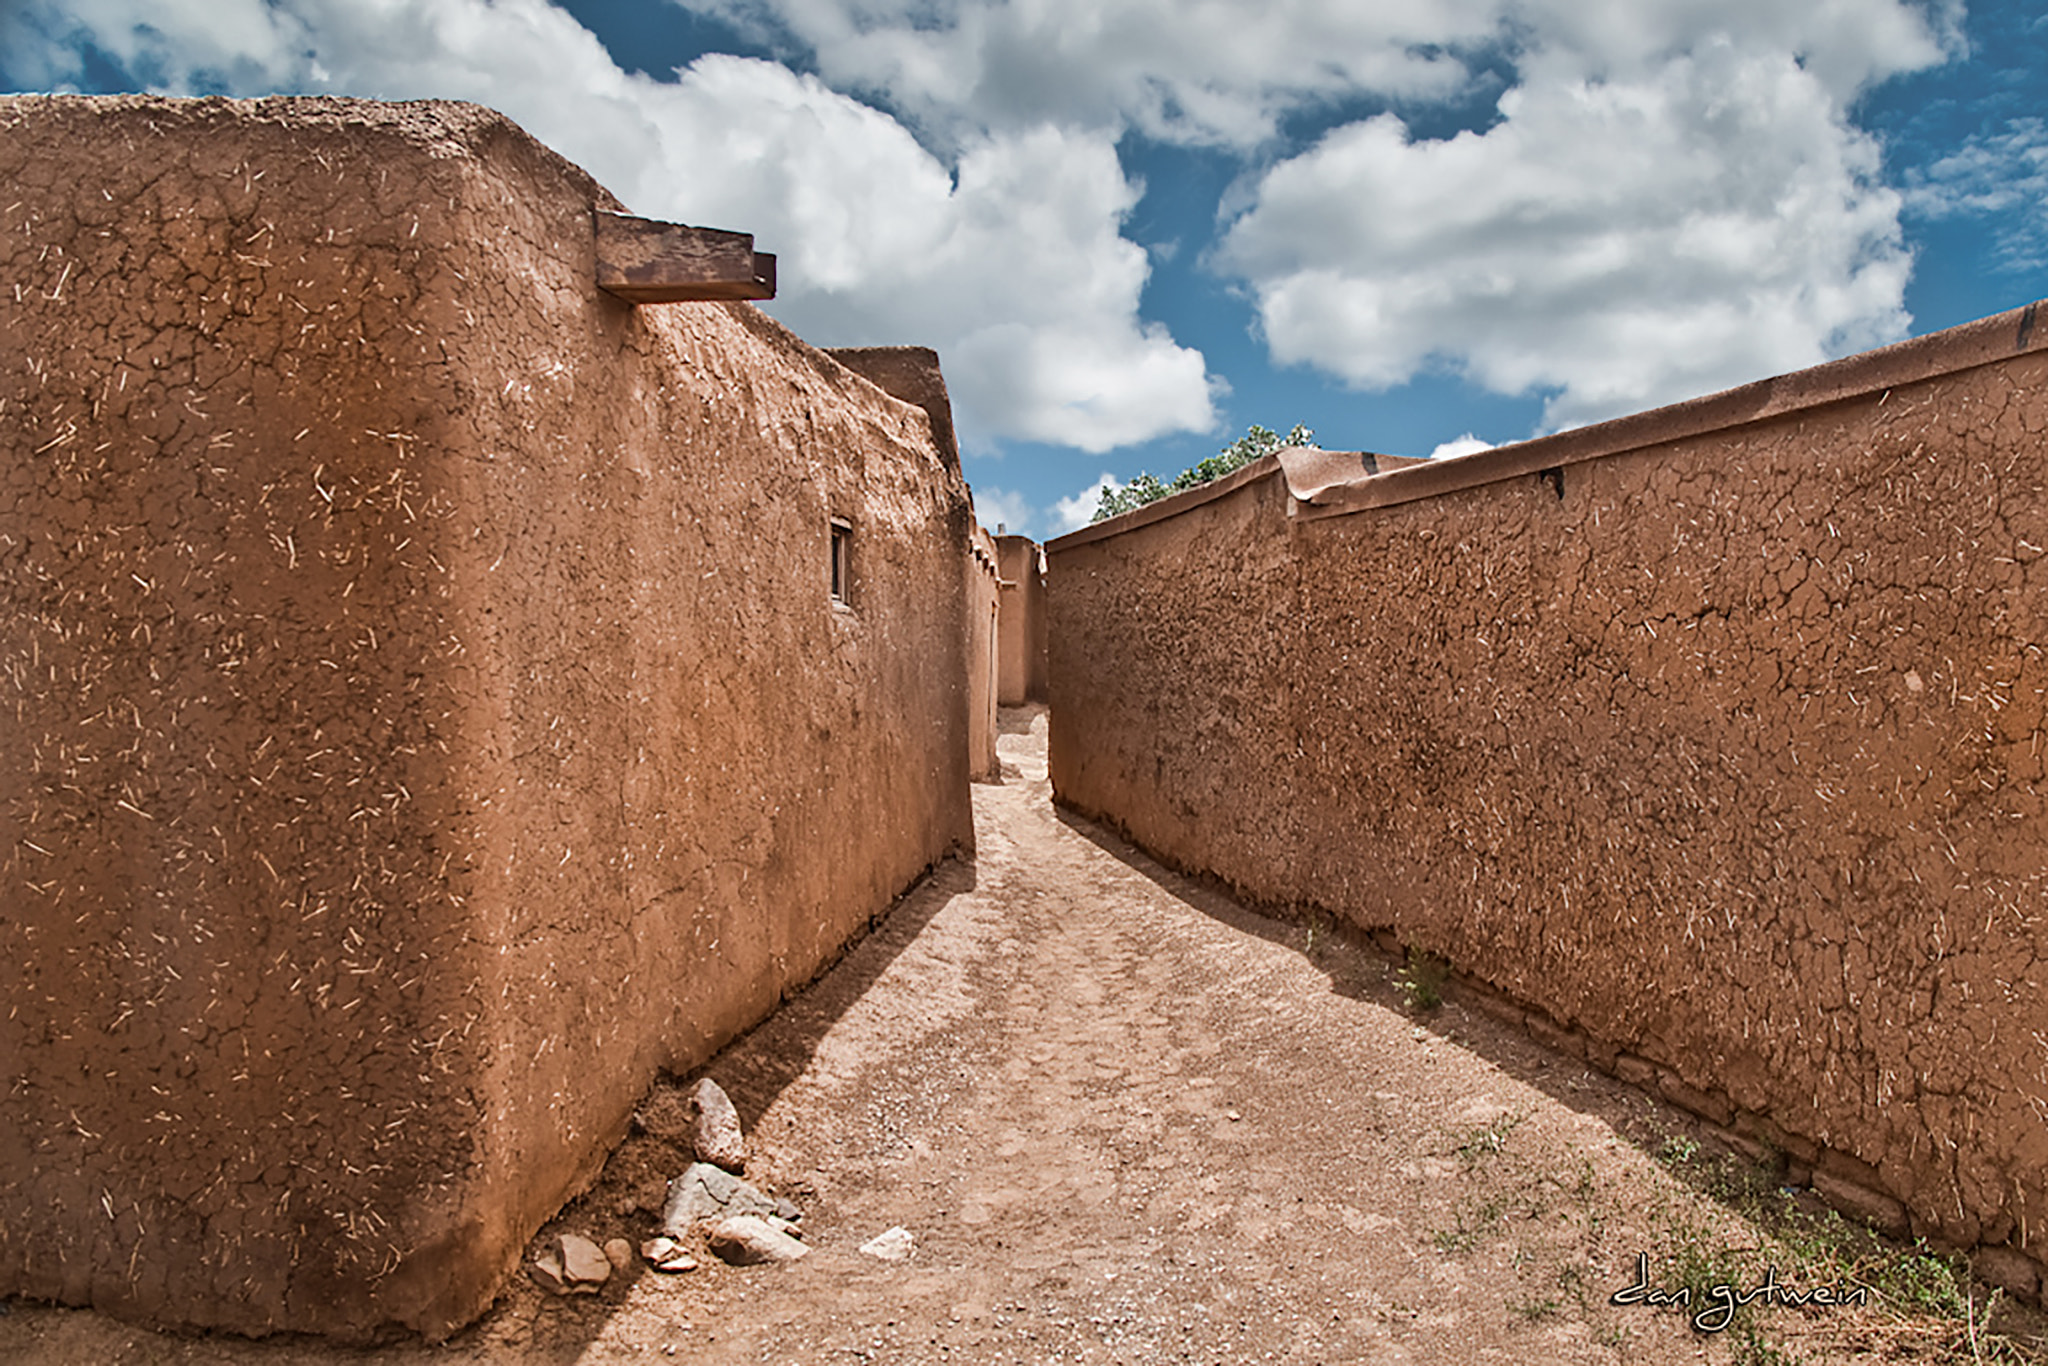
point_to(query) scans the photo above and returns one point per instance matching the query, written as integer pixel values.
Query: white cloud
(1467, 444)
(1071, 514)
(1226, 72)
(1684, 223)
(1220, 72)
(1844, 44)
(1672, 199)
(1001, 509)
(1012, 264)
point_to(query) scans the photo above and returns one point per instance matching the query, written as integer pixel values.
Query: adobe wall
(912, 374)
(1023, 676)
(1714, 737)
(983, 625)
(426, 711)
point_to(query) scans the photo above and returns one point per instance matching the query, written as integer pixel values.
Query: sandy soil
(1127, 1121)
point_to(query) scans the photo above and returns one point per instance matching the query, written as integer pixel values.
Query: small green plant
(1422, 979)
(1315, 923)
(1488, 1140)
(1573, 1280)
(1919, 1294)
(1471, 1224)
(1678, 1150)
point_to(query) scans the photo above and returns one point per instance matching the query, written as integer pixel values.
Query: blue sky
(1412, 225)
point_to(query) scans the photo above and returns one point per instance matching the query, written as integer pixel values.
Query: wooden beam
(646, 262)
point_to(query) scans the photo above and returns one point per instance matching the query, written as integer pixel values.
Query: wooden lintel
(647, 262)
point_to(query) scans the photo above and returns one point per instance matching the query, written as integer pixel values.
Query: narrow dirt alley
(1126, 1121)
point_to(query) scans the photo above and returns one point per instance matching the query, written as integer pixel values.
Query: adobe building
(912, 374)
(1711, 743)
(984, 635)
(1023, 621)
(443, 693)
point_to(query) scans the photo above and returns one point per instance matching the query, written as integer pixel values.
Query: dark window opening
(842, 560)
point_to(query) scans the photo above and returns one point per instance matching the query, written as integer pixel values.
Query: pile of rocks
(709, 1201)
(739, 1223)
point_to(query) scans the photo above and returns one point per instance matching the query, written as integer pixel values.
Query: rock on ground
(895, 1245)
(715, 1126)
(749, 1240)
(583, 1261)
(666, 1254)
(704, 1192)
(546, 1271)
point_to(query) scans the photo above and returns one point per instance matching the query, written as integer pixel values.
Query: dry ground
(1129, 1121)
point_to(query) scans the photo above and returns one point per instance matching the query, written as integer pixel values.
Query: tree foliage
(1147, 488)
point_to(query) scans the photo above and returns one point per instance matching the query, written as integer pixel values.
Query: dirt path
(1126, 1121)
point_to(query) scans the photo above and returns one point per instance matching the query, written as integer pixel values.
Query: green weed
(1488, 1140)
(1422, 980)
(1922, 1295)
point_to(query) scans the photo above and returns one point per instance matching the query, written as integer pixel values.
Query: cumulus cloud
(1010, 262)
(1670, 198)
(1073, 513)
(1844, 44)
(1219, 72)
(1228, 72)
(1652, 216)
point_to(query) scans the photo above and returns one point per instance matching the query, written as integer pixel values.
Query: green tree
(1146, 488)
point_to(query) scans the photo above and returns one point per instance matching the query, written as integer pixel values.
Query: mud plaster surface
(425, 713)
(1127, 1121)
(1731, 756)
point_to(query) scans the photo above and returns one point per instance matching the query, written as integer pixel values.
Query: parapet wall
(427, 711)
(1714, 737)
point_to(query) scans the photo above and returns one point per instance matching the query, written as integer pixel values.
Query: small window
(842, 560)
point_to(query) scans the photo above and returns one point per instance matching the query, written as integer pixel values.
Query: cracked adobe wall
(1730, 758)
(425, 713)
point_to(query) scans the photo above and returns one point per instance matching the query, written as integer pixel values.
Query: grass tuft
(1422, 980)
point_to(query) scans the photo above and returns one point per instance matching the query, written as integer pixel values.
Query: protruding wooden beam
(646, 262)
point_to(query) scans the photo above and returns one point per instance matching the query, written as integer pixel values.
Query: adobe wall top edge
(1964, 347)
(2002, 336)
(437, 127)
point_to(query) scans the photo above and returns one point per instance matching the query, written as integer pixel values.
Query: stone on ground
(666, 1254)
(715, 1126)
(546, 1271)
(895, 1245)
(705, 1192)
(749, 1240)
(583, 1262)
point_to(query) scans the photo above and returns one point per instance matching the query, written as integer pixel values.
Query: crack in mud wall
(426, 712)
(1730, 759)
